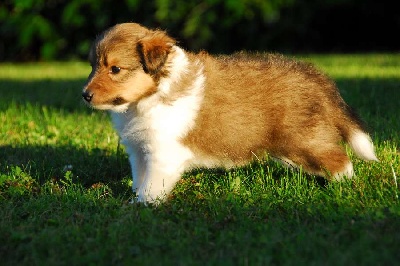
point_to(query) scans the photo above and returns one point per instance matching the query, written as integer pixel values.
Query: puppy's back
(257, 103)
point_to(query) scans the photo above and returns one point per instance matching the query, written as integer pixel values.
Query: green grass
(65, 186)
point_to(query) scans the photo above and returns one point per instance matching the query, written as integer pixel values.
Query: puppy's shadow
(51, 162)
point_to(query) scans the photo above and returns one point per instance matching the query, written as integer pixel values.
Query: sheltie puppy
(175, 110)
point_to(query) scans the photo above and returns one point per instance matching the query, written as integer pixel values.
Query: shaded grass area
(86, 229)
(65, 186)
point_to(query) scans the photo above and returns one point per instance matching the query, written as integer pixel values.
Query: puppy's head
(127, 62)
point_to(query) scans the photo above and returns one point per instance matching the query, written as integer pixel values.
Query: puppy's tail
(362, 145)
(354, 134)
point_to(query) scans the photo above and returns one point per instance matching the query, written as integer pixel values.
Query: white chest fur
(151, 132)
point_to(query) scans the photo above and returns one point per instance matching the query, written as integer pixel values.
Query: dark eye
(115, 69)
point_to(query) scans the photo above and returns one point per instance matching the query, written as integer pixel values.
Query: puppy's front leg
(158, 181)
(138, 165)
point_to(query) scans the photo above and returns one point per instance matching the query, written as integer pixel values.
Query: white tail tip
(362, 145)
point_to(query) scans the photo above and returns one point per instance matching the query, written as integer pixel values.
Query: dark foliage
(60, 29)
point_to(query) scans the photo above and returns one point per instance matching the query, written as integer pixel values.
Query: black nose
(87, 95)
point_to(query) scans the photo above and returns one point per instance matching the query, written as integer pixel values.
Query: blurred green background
(42, 30)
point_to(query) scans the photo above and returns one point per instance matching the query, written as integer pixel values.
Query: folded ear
(153, 50)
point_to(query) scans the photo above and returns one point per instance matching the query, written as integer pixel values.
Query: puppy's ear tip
(154, 49)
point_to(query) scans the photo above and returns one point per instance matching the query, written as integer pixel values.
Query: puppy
(175, 110)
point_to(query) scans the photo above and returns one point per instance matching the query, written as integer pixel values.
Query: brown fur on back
(277, 105)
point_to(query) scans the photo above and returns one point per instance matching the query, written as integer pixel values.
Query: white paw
(348, 172)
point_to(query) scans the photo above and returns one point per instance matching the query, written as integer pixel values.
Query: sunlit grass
(348, 66)
(45, 70)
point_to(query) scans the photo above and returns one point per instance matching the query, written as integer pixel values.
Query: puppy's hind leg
(330, 162)
(333, 163)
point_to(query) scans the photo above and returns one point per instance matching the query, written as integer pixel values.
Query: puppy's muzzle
(87, 95)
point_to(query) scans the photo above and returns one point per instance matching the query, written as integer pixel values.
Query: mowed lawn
(65, 185)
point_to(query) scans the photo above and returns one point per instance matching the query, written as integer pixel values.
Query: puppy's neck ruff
(170, 112)
(178, 66)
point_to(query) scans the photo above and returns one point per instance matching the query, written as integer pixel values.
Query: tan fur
(276, 105)
(252, 104)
